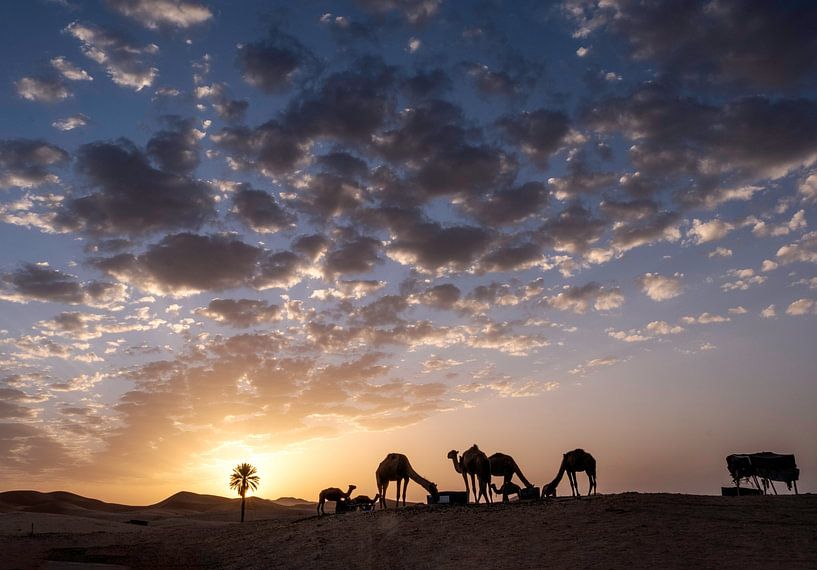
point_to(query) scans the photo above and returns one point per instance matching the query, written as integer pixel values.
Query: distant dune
(607, 531)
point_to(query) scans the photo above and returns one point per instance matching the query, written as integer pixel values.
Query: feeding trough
(529, 493)
(449, 498)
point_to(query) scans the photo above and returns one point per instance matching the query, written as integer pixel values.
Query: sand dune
(606, 531)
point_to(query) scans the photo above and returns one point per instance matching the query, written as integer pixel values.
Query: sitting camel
(503, 465)
(364, 502)
(475, 463)
(573, 462)
(396, 467)
(507, 488)
(333, 494)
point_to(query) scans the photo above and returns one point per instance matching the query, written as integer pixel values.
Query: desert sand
(630, 529)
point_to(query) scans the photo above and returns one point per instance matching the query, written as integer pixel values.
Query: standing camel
(504, 466)
(573, 462)
(452, 455)
(333, 494)
(476, 463)
(396, 467)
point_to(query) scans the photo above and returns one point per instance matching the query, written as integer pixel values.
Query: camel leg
(795, 487)
(383, 494)
(772, 484)
(474, 488)
(405, 487)
(399, 482)
(320, 504)
(467, 490)
(574, 486)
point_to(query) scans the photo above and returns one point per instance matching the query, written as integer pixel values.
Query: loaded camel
(573, 462)
(507, 488)
(396, 467)
(504, 466)
(475, 463)
(333, 494)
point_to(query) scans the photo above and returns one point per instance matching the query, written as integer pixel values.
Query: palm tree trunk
(242, 508)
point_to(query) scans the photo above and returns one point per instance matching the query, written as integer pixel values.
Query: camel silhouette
(503, 465)
(573, 462)
(396, 467)
(475, 463)
(333, 494)
(507, 488)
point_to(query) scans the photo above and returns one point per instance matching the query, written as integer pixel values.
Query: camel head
(452, 454)
(435, 494)
(351, 488)
(548, 490)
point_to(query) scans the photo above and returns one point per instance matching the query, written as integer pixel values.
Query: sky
(308, 234)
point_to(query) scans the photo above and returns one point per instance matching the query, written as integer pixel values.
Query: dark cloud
(343, 164)
(755, 43)
(741, 141)
(431, 247)
(325, 196)
(383, 311)
(311, 245)
(538, 134)
(347, 106)
(41, 283)
(443, 296)
(516, 253)
(634, 233)
(414, 11)
(427, 84)
(271, 148)
(278, 269)
(510, 205)
(176, 149)
(132, 196)
(273, 64)
(573, 230)
(260, 211)
(25, 163)
(440, 152)
(240, 313)
(358, 255)
(184, 263)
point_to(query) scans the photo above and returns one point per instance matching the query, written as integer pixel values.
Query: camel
(364, 502)
(504, 466)
(452, 455)
(507, 488)
(573, 462)
(475, 463)
(396, 467)
(333, 494)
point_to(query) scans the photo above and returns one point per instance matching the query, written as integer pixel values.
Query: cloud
(358, 255)
(583, 369)
(705, 319)
(273, 64)
(804, 250)
(661, 287)
(240, 313)
(260, 211)
(163, 13)
(70, 71)
(579, 298)
(769, 312)
(133, 197)
(808, 188)
(713, 230)
(432, 248)
(122, 59)
(24, 163)
(45, 89)
(41, 283)
(510, 205)
(538, 134)
(414, 11)
(70, 123)
(749, 43)
(723, 148)
(183, 264)
(176, 148)
(802, 307)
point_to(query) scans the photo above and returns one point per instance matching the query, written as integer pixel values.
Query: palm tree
(243, 478)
